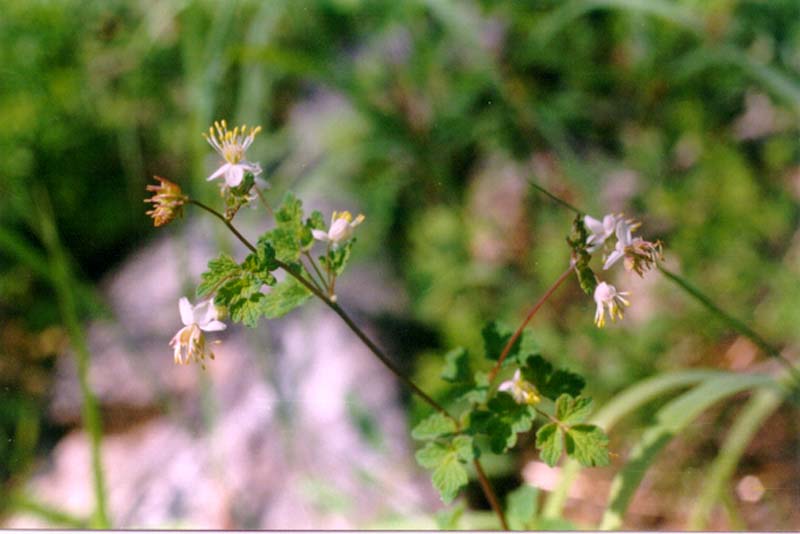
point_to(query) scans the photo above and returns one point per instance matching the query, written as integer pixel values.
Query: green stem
(554, 198)
(485, 485)
(316, 269)
(54, 516)
(65, 296)
(491, 496)
(731, 321)
(539, 304)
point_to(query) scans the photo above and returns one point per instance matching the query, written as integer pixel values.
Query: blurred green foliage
(433, 114)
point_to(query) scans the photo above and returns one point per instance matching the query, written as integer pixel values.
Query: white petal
(319, 235)
(204, 312)
(187, 314)
(219, 172)
(594, 226)
(234, 176)
(213, 326)
(505, 386)
(613, 258)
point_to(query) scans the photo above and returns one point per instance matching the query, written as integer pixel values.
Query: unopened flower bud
(167, 200)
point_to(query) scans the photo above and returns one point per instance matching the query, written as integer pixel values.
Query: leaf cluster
(493, 419)
(239, 287)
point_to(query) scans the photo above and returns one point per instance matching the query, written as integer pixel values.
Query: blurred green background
(683, 113)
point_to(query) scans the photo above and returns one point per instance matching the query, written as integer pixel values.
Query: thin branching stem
(554, 198)
(491, 496)
(316, 269)
(536, 307)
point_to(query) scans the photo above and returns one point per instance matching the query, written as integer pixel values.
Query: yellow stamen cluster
(347, 216)
(231, 144)
(167, 200)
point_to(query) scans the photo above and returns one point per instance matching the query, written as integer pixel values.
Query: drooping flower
(606, 297)
(600, 230)
(167, 200)
(341, 228)
(190, 342)
(640, 255)
(521, 390)
(232, 145)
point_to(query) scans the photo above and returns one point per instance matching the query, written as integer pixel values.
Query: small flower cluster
(189, 343)
(638, 255)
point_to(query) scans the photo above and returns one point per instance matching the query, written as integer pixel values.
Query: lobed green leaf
(284, 297)
(456, 367)
(588, 444)
(220, 269)
(551, 383)
(433, 426)
(572, 410)
(550, 442)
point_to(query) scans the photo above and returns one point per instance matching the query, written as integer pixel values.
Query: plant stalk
(539, 304)
(65, 296)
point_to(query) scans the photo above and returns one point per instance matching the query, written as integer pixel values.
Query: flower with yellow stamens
(341, 229)
(606, 296)
(521, 390)
(189, 343)
(232, 145)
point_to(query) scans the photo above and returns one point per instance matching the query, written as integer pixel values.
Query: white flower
(190, 342)
(624, 231)
(606, 296)
(341, 229)
(521, 390)
(232, 145)
(601, 230)
(640, 255)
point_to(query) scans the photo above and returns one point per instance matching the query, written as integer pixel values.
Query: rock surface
(294, 425)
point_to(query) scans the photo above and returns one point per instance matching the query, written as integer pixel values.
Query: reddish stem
(531, 313)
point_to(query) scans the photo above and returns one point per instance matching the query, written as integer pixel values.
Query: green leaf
(448, 519)
(242, 297)
(456, 367)
(286, 244)
(479, 391)
(449, 476)
(495, 336)
(290, 235)
(433, 426)
(465, 448)
(570, 410)
(550, 442)
(588, 444)
(522, 507)
(551, 383)
(284, 297)
(337, 258)
(220, 269)
(261, 263)
(431, 455)
(503, 420)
